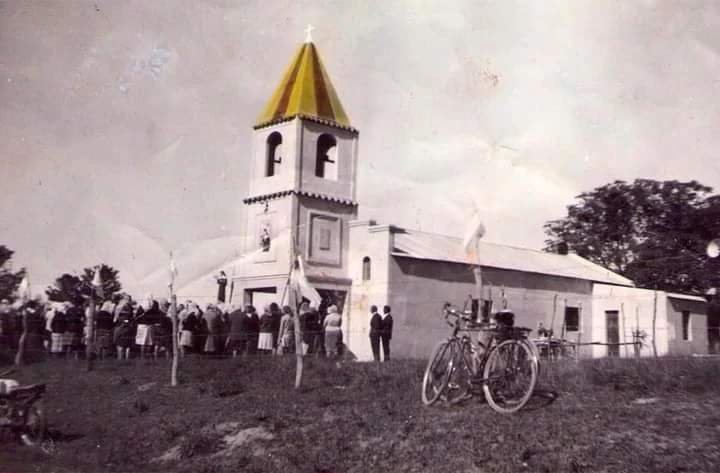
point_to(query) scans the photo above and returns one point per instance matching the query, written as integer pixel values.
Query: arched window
(274, 154)
(326, 162)
(366, 269)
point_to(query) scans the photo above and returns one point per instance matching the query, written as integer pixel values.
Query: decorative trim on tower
(314, 195)
(322, 121)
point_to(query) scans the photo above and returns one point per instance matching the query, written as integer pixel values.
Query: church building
(302, 201)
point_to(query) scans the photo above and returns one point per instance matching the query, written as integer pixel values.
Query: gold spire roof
(305, 91)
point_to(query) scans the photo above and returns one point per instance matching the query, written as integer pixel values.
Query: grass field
(242, 415)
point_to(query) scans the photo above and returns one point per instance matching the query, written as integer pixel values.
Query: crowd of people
(123, 328)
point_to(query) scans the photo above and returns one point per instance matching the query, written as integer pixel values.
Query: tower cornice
(322, 121)
(285, 193)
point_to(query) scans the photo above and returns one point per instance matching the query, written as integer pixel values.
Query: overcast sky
(125, 127)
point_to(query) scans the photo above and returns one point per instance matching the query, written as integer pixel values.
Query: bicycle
(507, 360)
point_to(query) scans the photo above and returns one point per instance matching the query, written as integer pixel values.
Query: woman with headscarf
(224, 327)
(57, 327)
(265, 340)
(123, 333)
(145, 322)
(249, 328)
(104, 328)
(276, 314)
(162, 330)
(74, 324)
(234, 342)
(212, 319)
(307, 324)
(188, 327)
(286, 334)
(333, 333)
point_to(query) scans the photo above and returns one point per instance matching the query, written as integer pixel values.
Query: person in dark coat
(309, 318)
(386, 332)
(146, 331)
(72, 338)
(124, 329)
(375, 331)
(35, 328)
(214, 326)
(57, 329)
(265, 339)
(222, 284)
(276, 314)
(188, 328)
(250, 330)
(234, 342)
(104, 328)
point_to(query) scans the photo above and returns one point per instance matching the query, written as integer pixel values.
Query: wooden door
(613, 332)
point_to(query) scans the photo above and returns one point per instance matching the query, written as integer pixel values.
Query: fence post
(654, 344)
(579, 334)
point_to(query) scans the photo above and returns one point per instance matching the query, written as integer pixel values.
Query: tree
(108, 276)
(9, 280)
(652, 232)
(66, 289)
(72, 288)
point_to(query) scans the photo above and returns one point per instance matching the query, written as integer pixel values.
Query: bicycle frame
(474, 355)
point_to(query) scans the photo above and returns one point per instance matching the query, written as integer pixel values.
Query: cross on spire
(308, 33)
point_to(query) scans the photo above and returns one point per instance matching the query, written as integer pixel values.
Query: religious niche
(265, 236)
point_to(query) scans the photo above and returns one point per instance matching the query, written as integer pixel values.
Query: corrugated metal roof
(414, 244)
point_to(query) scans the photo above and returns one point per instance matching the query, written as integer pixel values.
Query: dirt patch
(173, 454)
(243, 437)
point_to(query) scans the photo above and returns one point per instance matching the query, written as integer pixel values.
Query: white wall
(374, 242)
(635, 309)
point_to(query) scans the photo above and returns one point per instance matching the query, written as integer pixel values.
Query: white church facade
(302, 201)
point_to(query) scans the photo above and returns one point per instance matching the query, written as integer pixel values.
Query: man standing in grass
(386, 332)
(375, 330)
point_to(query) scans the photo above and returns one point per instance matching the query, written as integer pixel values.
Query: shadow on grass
(57, 436)
(540, 399)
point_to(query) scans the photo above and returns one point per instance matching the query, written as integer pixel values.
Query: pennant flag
(173, 268)
(97, 283)
(300, 283)
(24, 288)
(475, 231)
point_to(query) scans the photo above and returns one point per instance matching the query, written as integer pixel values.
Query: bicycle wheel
(437, 373)
(509, 376)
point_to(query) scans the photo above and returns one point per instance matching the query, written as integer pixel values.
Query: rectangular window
(686, 325)
(572, 319)
(324, 239)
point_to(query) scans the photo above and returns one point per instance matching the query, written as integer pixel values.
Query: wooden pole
(20, 355)
(175, 358)
(297, 325)
(90, 324)
(636, 335)
(579, 333)
(550, 349)
(654, 319)
(622, 317)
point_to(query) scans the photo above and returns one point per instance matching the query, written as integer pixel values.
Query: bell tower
(302, 187)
